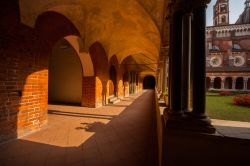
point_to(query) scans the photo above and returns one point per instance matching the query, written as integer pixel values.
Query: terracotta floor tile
(113, 135)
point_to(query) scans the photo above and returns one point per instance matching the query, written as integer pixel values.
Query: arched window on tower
(223, 19)
(223, 8)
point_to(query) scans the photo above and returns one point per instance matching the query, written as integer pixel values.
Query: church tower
(221, 12)
(245, 16)
(247, 3)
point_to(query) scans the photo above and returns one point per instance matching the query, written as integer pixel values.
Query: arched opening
(132, 82)
(54, 31)
(239, 83)
(208, 82)
(65, 75)
(228, 83)
(217, 83)
(223, 19)
(149, 82)
(125, 79)
(248, 84)
(113, 78)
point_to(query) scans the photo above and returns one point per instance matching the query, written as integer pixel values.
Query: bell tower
(247, 4)
(221, 12)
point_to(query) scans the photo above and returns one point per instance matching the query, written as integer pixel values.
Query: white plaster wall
(65, 76)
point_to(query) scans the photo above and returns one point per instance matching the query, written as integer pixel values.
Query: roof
(245, 16)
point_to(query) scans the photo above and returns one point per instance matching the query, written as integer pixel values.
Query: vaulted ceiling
(124, 28)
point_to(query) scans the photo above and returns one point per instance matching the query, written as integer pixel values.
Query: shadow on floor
(117, 105)
(129, 139)
(76, 114)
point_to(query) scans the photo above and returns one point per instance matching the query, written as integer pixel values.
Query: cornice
(229, 27)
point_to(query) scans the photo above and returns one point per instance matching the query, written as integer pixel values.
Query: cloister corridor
(119, 134)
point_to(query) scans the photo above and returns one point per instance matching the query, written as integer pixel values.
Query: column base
(199, 122)
(188, 121)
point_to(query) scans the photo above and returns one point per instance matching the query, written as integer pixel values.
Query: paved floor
(233, 129)
(115, 135)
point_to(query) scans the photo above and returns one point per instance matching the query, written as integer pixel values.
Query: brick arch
(49, 25)
(114, 61)
(86, 61)
(119, 76)
(101, 72)
(52, 26)
(112, 81)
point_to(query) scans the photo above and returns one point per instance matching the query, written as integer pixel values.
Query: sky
(236, 7)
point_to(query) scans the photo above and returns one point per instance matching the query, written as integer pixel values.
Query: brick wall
(100, 62)
(126, 89)
(88, 91)
(120, 89)
(23, 81)
(119, 80)
(104, 87)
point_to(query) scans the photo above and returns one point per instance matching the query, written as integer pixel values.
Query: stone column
(186, 60)
(165, 70)
(187, 70)
(199, 119)
(199, 59)
(222, 83)
(245, 84)
(234, 84)
(211, 84)
(161, 78)
(163, 86)
(175, 61)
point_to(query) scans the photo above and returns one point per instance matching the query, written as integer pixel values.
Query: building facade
(228, 50)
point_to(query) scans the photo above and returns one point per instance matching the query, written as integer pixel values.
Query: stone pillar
(234, 84)
(175, 61)
(164, 64)
(245, 84)
(222, 83)
(186, 61)
(160, 83)
(198, 59)
(211, 84)
(187, 70)
(163, 77)
(201, 122)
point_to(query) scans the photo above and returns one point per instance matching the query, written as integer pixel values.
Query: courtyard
(222, 107)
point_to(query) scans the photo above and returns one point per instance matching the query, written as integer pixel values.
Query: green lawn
(221, 107)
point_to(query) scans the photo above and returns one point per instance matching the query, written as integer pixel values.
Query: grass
(222, 107)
